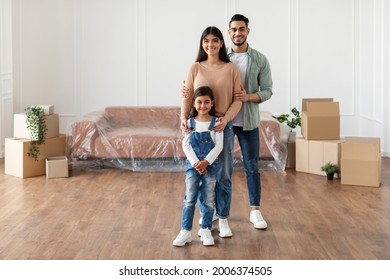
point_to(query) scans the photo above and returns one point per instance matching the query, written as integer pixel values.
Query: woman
(214, 69)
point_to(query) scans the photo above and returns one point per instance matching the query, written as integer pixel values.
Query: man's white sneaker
(182, 238)
(214, 218)
(206, 237)
(257, 220)
(224, 229)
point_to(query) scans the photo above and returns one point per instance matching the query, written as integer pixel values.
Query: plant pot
(330, 176)
(292, 136)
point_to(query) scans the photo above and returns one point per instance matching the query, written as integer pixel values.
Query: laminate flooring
(112, 214)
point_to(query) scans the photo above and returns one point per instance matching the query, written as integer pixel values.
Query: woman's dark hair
(202, 55)
(203, 91)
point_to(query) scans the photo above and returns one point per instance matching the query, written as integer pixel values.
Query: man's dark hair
(238, 17)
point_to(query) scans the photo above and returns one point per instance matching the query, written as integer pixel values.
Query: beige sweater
(223, 80)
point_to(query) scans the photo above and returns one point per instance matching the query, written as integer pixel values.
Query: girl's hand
(201, 166)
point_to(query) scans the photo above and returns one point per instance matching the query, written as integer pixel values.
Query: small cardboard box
(49, 109)
(320, 119)
(18, 163)
(312, 154)
(361, 161)
(21, 131)
(57, 167)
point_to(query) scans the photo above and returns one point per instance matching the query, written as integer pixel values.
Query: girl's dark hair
(203, 91)
(202, 55)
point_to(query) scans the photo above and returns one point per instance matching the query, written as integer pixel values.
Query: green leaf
(36, 124)
(293, 122)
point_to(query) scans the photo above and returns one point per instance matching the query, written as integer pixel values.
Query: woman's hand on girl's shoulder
(184, 127)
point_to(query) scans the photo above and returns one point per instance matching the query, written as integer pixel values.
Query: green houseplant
(36, 124)
(292, 122)
(330, 169)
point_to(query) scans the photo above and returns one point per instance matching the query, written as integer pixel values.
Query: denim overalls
(202, 144)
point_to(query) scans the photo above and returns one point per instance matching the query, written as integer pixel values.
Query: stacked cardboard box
(358, 157)
(290, 160)
(17, 161)
(320, 119)
(312, 154)
(21, 131)
(320, 127)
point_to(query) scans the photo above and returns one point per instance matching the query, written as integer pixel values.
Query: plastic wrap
(149, 139)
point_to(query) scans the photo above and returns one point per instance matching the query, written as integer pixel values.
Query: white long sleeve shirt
(217, 138)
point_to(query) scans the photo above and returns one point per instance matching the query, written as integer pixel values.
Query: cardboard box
(361, 161)
(49, 109)
(320, 119)
(312, 154)
(290, 161)
(21, 131)
(18, 163)
(57, 167)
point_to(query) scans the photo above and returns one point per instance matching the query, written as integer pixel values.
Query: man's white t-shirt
(241, 62)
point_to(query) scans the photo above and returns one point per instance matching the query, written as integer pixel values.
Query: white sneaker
(200, 230)
(224, 229)
(182, 238)
(257, 220)
(206, 237)
(214, 217)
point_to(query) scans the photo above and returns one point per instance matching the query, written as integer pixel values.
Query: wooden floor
(116, 214)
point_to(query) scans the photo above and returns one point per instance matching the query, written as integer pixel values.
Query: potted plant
(292, 122)
(330, 169)
(36, 124)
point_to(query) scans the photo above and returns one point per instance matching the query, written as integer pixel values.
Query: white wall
(5, 72)
(83, 55)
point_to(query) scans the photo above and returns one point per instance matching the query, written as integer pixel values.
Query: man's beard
(240, 44)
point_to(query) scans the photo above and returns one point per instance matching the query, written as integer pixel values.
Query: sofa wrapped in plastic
(149, 139)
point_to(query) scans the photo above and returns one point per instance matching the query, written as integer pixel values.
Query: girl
(201, 145)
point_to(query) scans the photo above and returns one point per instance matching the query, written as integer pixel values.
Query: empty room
(104, 106)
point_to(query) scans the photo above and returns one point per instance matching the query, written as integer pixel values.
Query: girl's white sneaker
(224, 229)
(206, 237)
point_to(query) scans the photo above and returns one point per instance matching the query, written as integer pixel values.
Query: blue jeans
(223, 189)
(249, 143)
(204, 186)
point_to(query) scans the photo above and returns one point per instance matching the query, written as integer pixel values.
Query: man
(256, 78)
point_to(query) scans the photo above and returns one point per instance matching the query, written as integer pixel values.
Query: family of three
(221, 97)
